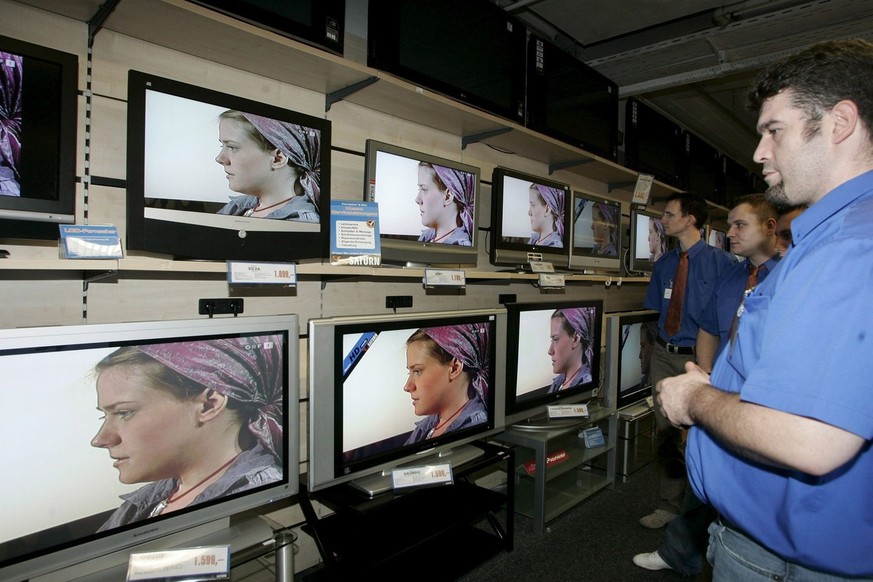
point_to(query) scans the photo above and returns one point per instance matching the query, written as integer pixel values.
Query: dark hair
(692, 204)
(761, 206)
(819, 77)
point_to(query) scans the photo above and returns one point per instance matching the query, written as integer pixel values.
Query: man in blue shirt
(782, 431)
(684, 215)
(752, 234)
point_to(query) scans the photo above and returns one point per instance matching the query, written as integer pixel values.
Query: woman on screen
(196, 420)
(10, 123)
(604, 226)
(274, 164)
(546, 212)
(657, 239)
(570, 347)
(445, 201)
(448, 378)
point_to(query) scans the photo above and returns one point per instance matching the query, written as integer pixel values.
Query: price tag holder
(643, 189)
(200, 563)
(568, 411)
(552, 280)
(541, 267)
(445, 278)
(247, 273)
(427, 475)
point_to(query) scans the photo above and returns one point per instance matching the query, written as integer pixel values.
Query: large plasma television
(653, 143)
(395, 390)
(630, 337)
(107, 429)
(38, 110)
(530, 219)
(191, 192)
(596, 239)
(428, 206)
(553, 358)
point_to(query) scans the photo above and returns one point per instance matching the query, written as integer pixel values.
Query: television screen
(702, 169)
(317, 22)
(554, 355)
(736, 181)
(630, 337)
(38, 109)
(648, 241)
(653, 143)
(428, 206)
(596, 233)
(530, 219)
(470, 50)
(389, 390)
(216, 176)
(142, 430)
(717, 238)
(571, 101)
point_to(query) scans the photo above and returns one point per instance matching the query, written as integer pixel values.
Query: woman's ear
(211, 405)
(456, 366)
(280, 160)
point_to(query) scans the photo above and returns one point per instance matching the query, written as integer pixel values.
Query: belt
(686, 351)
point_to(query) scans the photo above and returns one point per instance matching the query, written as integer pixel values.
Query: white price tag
(425, 475)
(568, 411)
(444, 278)
(204, 563)
(541, 267)
(643, 189)
(550, 280)
(247, 273)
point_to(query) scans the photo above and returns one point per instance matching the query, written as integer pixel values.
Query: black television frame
(569, 100)
(396, 26)
(237, 237)
(52, 170)
(652, 143)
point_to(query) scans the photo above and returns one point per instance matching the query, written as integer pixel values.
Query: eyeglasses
(669, 215)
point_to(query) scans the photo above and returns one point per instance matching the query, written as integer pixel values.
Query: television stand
(450, 527)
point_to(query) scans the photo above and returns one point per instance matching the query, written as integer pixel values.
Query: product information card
(354, 233)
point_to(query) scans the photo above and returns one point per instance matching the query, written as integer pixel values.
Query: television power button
(242, 234)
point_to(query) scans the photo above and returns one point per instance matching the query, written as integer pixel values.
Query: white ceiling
(693, 60)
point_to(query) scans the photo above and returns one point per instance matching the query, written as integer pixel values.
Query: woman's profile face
(432, 203)
(564, 348)
(654, 239)
(428, 380)
(540, 216)
(599, 227)
(246, 165)
(146, 431)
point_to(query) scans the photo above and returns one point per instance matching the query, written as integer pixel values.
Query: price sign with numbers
(201, 563)
(422, 476)
(248, 273)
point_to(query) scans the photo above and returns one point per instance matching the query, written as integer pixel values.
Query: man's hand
(675, 395)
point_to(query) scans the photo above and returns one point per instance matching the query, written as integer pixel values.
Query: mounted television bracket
(212, 307)
(340, 94)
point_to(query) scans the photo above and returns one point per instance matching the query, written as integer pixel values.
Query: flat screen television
(630, 337)
(38, 123)
(316, 22)
(736, 181)
(647, 240)
(652, 143)
(530, 219)
(596, 233)
(470, 50)
(428, 206)
(569, 100)
(388, 391)
(717, 237)
(553, 358)
(701, 167)
(107, 428)
(215, 176)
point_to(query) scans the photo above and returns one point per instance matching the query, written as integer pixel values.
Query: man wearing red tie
(682, 283)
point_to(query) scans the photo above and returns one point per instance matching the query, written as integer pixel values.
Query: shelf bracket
(477, 137)
(568, 164)
(620, 185)
(340, 94)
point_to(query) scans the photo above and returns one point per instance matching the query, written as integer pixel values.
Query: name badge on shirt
(668, 293)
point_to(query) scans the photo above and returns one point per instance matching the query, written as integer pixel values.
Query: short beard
(776, 195)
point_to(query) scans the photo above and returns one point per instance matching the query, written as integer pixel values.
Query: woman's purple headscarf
(581, 320)
(248, 370)
(463, 185)
(302, 146)
(554, 199)
(468, 342)
(10, 123)
(611, 215)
